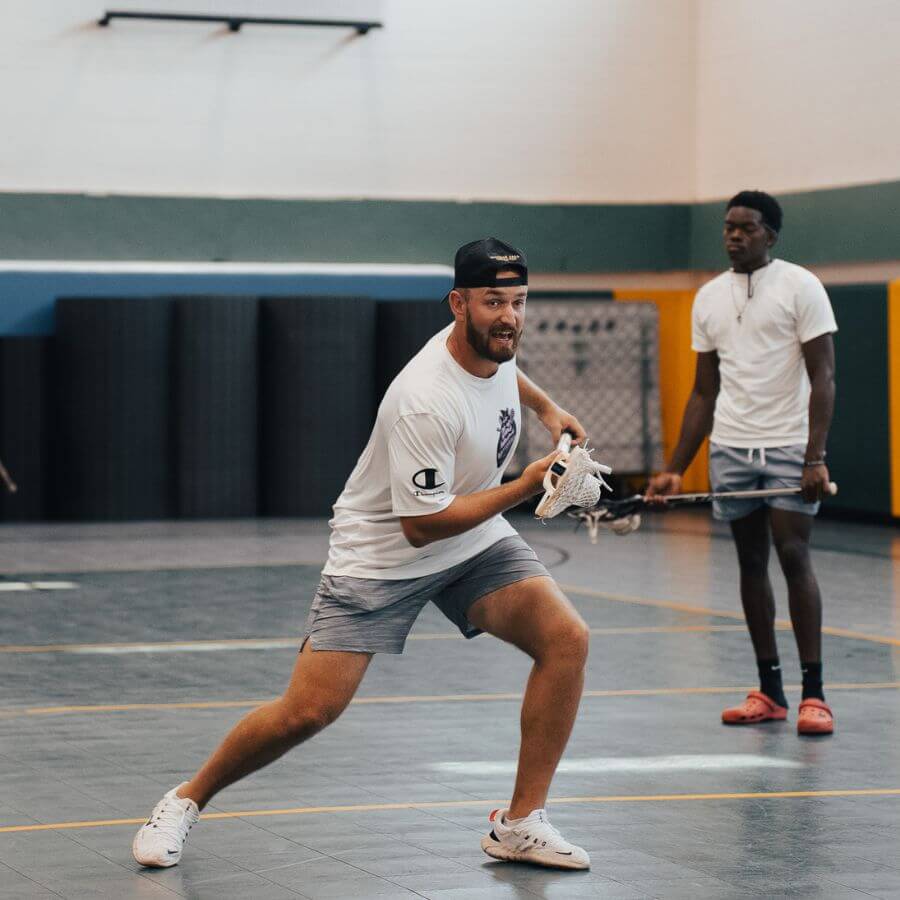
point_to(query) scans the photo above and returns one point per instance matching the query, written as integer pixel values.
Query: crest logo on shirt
(427, 481)
(507, 430)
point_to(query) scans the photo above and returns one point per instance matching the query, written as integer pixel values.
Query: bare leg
(322, 684)
(751, 539)
(791, 532)
(536, 617)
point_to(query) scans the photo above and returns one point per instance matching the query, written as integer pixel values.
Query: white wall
(796, 94)
(577, 100)
(586, 101)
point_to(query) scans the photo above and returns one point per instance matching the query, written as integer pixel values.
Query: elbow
(413, 534)
(704, 404)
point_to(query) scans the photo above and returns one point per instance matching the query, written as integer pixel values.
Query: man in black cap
(420, 519)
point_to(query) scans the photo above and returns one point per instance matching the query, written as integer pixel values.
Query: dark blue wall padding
(859, 443)
(403, 328)
(113, 447)
(215, 395)
(24, 423)
(317, 398)
(28, 291)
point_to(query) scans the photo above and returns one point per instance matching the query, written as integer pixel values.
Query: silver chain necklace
(742, 309)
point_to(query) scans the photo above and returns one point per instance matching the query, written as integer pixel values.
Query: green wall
(859, 443)
(854, 224)
(556, 238)
(841, 225)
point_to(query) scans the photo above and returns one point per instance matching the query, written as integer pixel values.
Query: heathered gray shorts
(741, 469)
(371, 615)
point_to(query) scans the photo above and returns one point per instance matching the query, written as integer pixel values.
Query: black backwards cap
(477, 263)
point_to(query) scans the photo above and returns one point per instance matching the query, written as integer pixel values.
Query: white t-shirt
(764, 389)
(440, 432)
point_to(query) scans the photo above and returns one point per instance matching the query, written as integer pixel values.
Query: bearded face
(496, 341)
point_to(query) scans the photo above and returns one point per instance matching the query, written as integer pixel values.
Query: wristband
(812, 463)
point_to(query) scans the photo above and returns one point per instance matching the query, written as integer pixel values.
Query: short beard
(481, 343)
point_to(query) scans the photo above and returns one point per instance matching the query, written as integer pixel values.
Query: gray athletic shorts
(371, 615)
(743, 469)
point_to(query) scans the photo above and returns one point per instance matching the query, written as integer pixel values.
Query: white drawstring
(762, 455)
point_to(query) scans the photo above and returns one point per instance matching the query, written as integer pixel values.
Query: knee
(754, 564)
(300, 722)
(568, 644)
(794, 558)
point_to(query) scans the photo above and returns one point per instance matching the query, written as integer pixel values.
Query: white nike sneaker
(161, 838)
(532, 840)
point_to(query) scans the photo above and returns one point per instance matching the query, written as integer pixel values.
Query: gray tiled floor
(65, 756)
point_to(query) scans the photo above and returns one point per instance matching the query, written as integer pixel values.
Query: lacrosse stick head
(578, 484)
(595, 519)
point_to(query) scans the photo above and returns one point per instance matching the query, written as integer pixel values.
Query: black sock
(812, 680)
(770, 680)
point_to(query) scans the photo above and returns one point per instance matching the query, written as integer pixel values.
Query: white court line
(8, 586)
(607, 764)
(201, 647)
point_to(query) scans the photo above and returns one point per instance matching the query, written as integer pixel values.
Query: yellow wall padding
(677, 363)
(894, 390)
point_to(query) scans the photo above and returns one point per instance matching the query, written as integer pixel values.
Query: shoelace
(169, 822)
(529, 840)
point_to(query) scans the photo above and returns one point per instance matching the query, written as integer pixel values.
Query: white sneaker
(532, 840)
(161, 838)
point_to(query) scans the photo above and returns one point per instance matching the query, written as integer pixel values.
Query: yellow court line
(469, 804)
(423, 698)
(780, 624)
(721, 613)
(253, 642)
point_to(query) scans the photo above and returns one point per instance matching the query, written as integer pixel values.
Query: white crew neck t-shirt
(440, 432)
(764, 389)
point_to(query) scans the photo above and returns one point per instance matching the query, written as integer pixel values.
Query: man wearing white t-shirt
(764, 387)
(419, 520)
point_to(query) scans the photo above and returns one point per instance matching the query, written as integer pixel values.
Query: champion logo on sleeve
(426, 480)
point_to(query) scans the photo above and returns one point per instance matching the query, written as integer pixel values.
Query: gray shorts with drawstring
(756, 468)
(371, 615)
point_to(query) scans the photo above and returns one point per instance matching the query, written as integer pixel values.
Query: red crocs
(758, 707)
(815, 717)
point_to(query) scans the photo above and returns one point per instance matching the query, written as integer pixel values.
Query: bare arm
(555, 419)
(698, 414)
(695, 425)
(818, 354)
(470, 510)
(530, 394)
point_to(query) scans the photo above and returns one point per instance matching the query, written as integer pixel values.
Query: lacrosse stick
(573, 480)
(8, 483)
(623, 516)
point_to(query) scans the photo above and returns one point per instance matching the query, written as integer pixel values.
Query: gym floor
(130, 649)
